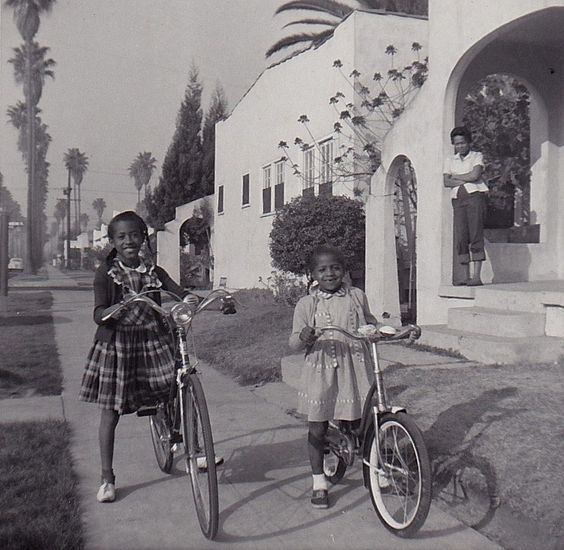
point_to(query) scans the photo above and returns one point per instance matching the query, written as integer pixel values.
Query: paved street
(264, 483)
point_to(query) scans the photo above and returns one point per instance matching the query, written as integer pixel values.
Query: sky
(122, 68)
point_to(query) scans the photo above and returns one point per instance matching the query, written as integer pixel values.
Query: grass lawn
(39, 507)
(249, 344)
(29, 362)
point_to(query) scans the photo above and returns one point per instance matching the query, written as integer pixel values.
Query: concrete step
(493, 349)
(497, 322)
(531, 296)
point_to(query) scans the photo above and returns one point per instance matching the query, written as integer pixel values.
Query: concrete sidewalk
(265, 482)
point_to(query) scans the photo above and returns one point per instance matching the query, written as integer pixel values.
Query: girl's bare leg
(106, 434)
(316, 444)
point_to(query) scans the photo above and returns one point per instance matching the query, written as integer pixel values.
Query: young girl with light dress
(337, 371)
(130, 364)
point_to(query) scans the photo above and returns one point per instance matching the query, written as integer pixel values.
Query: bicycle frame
(371, 413)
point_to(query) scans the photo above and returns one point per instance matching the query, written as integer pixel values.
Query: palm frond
(312, 22)
(329, 7)
(288, 41)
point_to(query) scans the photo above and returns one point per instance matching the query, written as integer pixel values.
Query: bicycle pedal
(147, 411)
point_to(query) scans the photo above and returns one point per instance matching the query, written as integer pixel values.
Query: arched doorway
(195, 253)
(405, 226)
(522, 57)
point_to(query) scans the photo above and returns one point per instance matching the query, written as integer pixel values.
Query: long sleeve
(371, 319)
(301, 320)
(101, 295)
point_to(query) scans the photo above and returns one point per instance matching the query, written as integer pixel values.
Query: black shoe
(320, 499)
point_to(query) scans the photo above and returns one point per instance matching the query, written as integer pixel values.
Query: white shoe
(106, 492)
(202, 462)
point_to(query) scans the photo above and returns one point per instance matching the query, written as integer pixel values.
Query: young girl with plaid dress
(337, 371)
(130, 364)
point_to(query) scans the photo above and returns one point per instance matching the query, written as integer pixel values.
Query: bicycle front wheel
(161, 426)
(200, 456)
(399, 474)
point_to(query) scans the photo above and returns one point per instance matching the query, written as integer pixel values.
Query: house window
(309, 171)
(220, 199)
(246, 183)
(267, 189)
(326, 160)
(279, 186)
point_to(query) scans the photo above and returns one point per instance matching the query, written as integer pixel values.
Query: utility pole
(3, 251)
(67, 192)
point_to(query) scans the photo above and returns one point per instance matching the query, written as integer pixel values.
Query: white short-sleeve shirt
(458, 165)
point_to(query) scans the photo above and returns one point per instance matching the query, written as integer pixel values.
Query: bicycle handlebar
(409, 331)
(142, 297)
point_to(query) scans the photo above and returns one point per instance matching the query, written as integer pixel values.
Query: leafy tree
(99, 206)
(496, 110)
(307, 222)
(27, 17)
(181, 176)
(216, 112)
(141, 170)
(333, 13)
(84, 219)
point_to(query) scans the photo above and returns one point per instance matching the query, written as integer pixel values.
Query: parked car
(15, 264)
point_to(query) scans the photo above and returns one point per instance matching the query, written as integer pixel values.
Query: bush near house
(308, 222)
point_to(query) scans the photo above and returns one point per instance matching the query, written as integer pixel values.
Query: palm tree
(60, 212)
(141, 170)
(99, 206)
(41, 68)
(336, 11)
(77, 165)
(27, 16)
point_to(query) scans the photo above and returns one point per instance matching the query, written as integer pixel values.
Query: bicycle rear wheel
(198, 442)
(398, 474)
(161, 435)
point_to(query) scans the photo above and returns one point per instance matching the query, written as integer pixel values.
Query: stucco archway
(530, 49)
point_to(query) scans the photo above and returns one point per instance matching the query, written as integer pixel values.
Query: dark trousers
(469, 212)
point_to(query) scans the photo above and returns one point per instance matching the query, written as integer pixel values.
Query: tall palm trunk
(29, 266)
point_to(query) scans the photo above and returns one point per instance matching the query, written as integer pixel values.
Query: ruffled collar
(118, 272)
(342, 291)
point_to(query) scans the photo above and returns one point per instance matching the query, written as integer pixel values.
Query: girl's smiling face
(127, 240)
(328, 272)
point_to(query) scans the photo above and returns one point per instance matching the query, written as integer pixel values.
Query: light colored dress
(337, 371)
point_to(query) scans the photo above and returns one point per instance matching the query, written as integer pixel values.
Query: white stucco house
(465, 42)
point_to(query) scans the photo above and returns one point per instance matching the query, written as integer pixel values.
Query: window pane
(266, 177)
(267, 200)
(220, 198)
(245, 189)
(279, 196)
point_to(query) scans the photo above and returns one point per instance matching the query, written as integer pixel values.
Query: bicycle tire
(160, 426)
(400, 486)
(197, 432)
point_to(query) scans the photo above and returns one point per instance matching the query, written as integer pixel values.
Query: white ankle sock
(319, 482)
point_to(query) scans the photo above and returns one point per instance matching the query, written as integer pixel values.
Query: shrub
(308, 222)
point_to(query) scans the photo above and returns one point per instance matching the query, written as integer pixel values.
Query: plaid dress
(137, 367)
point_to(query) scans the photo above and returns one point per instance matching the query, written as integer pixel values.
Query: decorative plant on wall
(364, 117)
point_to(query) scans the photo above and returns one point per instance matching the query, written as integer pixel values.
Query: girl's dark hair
(127, 216)
(324, 249)
(461, 131)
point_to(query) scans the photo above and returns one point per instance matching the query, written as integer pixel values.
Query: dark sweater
(107, 293)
